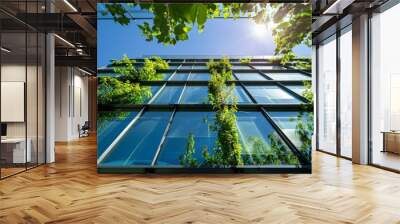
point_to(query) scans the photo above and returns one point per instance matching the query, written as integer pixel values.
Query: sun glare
(260, 30)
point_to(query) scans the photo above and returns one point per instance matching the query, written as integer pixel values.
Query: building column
(314, 88)
(360, 90)
(50, 98)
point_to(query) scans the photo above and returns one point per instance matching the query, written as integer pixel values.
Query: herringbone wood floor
(70, 191)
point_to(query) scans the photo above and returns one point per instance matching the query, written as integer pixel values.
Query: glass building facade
(153, 136)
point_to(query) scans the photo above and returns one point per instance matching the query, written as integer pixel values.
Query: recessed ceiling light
(84, 71)
(70, 5)
(5, 50)
(65, 41)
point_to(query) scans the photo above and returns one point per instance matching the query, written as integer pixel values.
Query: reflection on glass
(288, 76)
(200, 67)
(298, 127)
(346, 94)
(15, 155)
(177, 138)
(240, 67)
(261, 143)
(180, 76)
(173, 67)
(272, 94)
(327, 96)
(299, 89)
(241, 95)
(269, 67)
(200, 76)
(109, 126)
(169, 95)
(250, 76)
(195, 95)
(139, 144)
(185, 67)
(166, 76)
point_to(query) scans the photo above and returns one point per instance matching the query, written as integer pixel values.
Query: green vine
(187, 159)
(125, 88)
(245, 60)
(227, 151)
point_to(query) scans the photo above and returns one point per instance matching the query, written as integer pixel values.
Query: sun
(260, 30)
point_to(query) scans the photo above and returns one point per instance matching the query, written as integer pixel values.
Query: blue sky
(220, 37)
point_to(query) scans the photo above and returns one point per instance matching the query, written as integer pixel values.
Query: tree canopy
(172, 22)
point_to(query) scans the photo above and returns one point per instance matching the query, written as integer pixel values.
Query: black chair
(84, 130)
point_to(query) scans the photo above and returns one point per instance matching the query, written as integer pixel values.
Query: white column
(50, 100)
(360, 90)
(314, 88)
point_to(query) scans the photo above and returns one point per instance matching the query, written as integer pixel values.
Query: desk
(391, 141)
(14, 150)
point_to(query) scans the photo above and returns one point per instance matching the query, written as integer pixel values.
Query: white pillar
(360, 90)
(314, 88)
(50, 99)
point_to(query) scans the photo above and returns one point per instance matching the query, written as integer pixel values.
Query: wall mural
(204, 87)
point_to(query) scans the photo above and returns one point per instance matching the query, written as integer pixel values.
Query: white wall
(71, 102)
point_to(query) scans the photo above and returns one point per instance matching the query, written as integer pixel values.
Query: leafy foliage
(307, 92)
(274, 153)
(302, 63)
(228, 148)
(245, 60)
(125, 88)
(304, 131)
(173, 22)
(293, 28)
(104, 117)
(187, 159)
(305, 122)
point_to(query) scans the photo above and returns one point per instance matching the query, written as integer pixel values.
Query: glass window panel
(180, 76)
(261, 143)
(173, 67)
(288, 76)
(109, 125)
(140, 143)
(299, 89)
(169, 95)
(250, 76)
(269, 67)
(327, 96)
(240, 67)
(166, 76)
(200, 76)
(185, 67)
(103, 74)
(272, 94)
(154, 90)
(292, 123)
(346, 94)
(14, 69)
(241, 95)
(176, 60)
(200, 67)
(195, 95)
(385, 87)
(177, 138)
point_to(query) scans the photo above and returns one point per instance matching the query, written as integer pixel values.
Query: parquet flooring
(70, 191)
